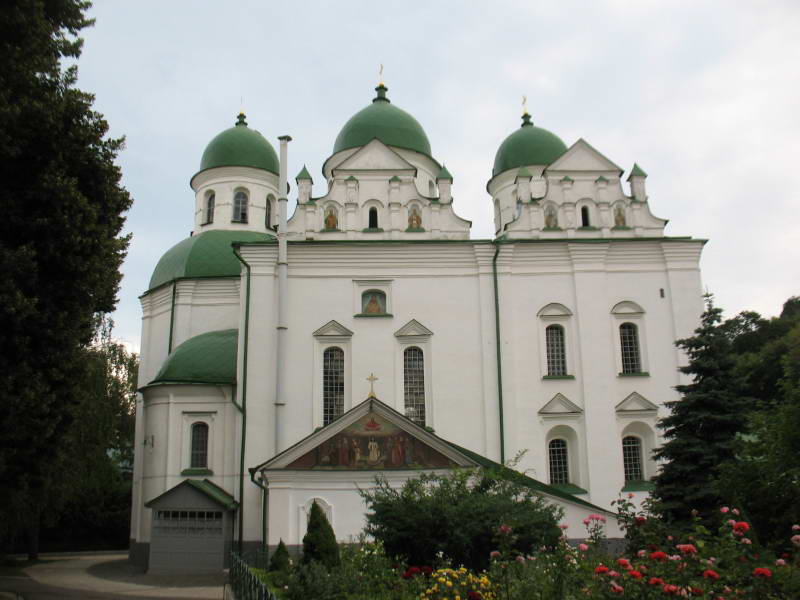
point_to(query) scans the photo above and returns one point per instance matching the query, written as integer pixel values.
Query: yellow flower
(449, 583)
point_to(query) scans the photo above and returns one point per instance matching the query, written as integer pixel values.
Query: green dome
(206, 358)
(382, 120)
(240, 146)
(528, 145)
(208, 254)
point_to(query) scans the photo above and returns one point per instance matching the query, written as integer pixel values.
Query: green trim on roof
(208, 358)
(240, 146)
(637, 171)
(528, 145)
(206, 487)
(601, 178)
(351, 178)
(395, 178)
(570, 488)
(524, 172)
(208, 254)
(391, 125)
(304, 175)
(567, 178)
(444, 174)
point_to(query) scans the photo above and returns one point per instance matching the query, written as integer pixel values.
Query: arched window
(585, 216)
(556, 350)
(240, 207)
(332, 384)
(373, 218)
(414, 384)
(199, 455)
(629, 346)
(268, 213)
(559, 461)
(210, 202)
(632, 458)
(373, 302)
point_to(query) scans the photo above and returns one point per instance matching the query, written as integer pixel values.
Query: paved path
(102, 577)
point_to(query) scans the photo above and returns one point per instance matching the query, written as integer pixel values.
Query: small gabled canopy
(412, 329)
(375, 156)
(205, 487)
(304, 175)
(582, 156)
(637, 404)
(627, 307)
(554, 309)
(332, 329)
(560, 405)
(636, 171)
(208, 358)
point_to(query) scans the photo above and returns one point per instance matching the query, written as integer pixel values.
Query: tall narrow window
(373, 218)
(268, 213)
(210, 203)
(199, 455)
(332, 384)
(559, 461)
(632, 458)
(556, 352)
(585, 216)
(629, 346)
(414, 384)
(240, 207)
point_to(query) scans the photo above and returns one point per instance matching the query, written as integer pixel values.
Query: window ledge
(372, 230)
(206, 223)
(372, 315)
(588, 228)
(194, 472)
(570, 488)
(558, 377)
(638, 486)
(639, 374)
(239, 221)
(415, 230)
(326, 230)
(552, 229)
(621, 228)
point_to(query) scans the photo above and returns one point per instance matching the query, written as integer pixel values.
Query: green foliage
(457, 516)
(60, 244)
(279, 561)
(319, 542)
(702, 427)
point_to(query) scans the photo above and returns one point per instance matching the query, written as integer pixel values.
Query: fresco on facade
(372, 443)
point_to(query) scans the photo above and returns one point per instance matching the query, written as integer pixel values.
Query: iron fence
(246, 585)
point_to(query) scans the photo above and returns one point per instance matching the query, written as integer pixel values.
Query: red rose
(655, 581)
(426, 570)
(741, 527)
(635, 574)
(601, 569)
(624, 563)
(710, 574)
(658, 555)
(762, 573)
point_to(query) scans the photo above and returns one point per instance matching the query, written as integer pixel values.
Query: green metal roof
(391, 125)
(240, 146)
(208, 254)
(528, 145)
(206, 487)
(208, 358)
(636, 171)
(444, 174)
(524, 172)
(304, 175)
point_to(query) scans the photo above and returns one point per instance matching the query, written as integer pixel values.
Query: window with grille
(632, 458)
(240, 207)
(414, 384)
(556, 351)
(332, 384)
(629, 346)
(559, 462)
(199, 455)
(188, 522)
(210, 205)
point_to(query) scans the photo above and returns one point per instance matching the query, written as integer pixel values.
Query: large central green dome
(528, 145)
(391, 125)
(240, 146)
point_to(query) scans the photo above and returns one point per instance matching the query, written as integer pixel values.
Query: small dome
(206, 358)
(528, 145)
(240, 146)
(208, 254)
(391, 125)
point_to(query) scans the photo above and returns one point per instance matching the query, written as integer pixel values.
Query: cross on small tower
(380, 75)
(372, 379)
(524, 105)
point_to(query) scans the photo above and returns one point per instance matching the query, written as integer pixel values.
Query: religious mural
(373, 302)
(372, 443)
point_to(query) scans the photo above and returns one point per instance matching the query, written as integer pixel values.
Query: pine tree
(279, 561)
(702, 427)
(60, 247)
(319, 542)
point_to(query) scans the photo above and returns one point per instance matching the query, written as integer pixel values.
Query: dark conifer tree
(319, 542)
(61, 207)
(279, 561)
(701, 429)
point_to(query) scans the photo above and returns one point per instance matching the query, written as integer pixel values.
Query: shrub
(279, 562)
(456, 516)
(319, 542)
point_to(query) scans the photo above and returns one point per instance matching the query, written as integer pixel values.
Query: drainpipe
(243, 408)
(172, 316)
(499, 352)
(283, 289)
(264, 504)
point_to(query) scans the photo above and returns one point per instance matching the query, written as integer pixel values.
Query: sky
(704, 95)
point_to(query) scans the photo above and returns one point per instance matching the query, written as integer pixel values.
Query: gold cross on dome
(372, 379)
(380, 75)
(524, 105)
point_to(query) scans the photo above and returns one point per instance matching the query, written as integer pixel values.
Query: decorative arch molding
(627, 307)
(647, 437)
(304, 511)
(554, 309)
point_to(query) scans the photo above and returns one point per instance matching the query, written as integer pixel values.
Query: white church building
(287, 360)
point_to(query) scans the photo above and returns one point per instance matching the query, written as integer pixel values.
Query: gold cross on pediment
(372, 379)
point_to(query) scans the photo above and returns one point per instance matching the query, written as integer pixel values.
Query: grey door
(188, 541)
